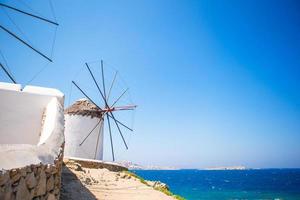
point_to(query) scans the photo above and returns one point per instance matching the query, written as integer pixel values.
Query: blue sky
(217, 83)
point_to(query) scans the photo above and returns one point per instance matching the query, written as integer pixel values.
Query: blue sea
(229, 184)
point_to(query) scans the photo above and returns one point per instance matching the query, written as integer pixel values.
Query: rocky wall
(96, 164)
(39, 181)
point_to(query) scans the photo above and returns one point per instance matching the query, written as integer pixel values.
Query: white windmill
(85, 121)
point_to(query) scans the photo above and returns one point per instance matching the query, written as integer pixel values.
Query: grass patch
(163, 190)
(169, 193)
(136, 176)
(178, 197)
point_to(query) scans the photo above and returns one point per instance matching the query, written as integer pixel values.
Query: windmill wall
(77, 127)
(31, 142)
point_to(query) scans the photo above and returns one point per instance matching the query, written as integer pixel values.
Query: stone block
(51, 197)
(4, 177)
(41, 185)
(50, 183)
(6, 192)
(23, 171)
(15, 175)
(22, 191)
(31, 181)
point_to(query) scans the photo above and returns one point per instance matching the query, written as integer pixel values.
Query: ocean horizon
(195, 184)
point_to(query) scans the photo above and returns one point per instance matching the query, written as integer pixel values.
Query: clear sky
(217, 82)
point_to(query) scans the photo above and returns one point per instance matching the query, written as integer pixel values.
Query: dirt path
(89, 183)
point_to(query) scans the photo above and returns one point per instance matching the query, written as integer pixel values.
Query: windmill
(85, 119)
(24, 41)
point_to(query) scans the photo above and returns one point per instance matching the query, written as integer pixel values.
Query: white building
(31, 141)
(84, 131)
(31, 125)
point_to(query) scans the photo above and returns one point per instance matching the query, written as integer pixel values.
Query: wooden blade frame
(21, 40)
(8, 74)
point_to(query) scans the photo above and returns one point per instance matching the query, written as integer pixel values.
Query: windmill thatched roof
(85, 108)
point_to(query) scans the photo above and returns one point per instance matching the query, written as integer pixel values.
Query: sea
(276, 184)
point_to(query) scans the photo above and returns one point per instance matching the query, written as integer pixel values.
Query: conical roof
(85, 108)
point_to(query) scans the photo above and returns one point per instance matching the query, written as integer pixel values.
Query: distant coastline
(227, 168)
(134, 166)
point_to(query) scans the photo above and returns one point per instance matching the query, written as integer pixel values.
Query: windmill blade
(90, 132)
(25, 43)
(97, 84)
(111, 141)
(120, 122)
(8, 74)
(98, 139)
(102, 95)
(120, 108)
(119, 130)
(119, 97)
(112, 85)
(29, 14)
(103, 82)
(86, 95)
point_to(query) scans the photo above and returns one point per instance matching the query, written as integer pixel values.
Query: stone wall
(36, 181)
(96, 164)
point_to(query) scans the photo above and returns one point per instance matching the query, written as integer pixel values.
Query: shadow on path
(72, 188)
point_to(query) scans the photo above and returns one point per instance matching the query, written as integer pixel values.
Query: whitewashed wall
(21, 113)
(77, 127)
(50, 145)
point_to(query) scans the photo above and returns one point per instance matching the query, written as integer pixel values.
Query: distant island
(133, 166)
(227, 168)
